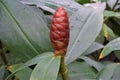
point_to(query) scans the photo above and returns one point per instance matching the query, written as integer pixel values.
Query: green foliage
(2, 72)
(46, 69)
(18, 24)
(23, 74)
(111, 46)
(97, 65)
(94, 35)
(83, 1)
(110, 72)
(110, 13)
(84, 33)
(81, 71)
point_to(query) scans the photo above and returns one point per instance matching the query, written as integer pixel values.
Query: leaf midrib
(18, 25)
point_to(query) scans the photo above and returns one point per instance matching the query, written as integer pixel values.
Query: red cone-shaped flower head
(59, 31)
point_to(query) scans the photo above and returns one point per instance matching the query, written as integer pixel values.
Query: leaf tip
(101, 56)
(106, 36)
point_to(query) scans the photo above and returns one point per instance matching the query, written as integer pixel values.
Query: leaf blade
(111, 46)
(21, 75)
(2, 72)
(33, 61)
(44, 68)
(22, 30)
(83, 41)
(94, 47)
(108, 72)
(80, 71)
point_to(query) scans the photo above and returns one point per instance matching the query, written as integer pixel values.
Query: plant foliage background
(26, 51)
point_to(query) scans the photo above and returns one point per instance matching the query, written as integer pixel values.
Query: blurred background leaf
(81, 71)
(21, 75)
(111, 46)
(94, 47)
(97, 65)
(2, 72)
(31, 62)
(110, 72)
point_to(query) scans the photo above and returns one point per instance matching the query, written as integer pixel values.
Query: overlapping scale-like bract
(59, 31)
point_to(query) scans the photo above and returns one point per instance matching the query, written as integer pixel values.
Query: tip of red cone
(60, 11)
(60, 8)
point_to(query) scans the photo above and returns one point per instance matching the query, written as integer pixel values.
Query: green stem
(63, 69)
(2, 54)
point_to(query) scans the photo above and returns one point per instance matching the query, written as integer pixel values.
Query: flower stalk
(63, 69)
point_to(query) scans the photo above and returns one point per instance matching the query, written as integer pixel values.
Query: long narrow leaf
(111, 46)
(91, 23)
(94, 47)
(93, 63)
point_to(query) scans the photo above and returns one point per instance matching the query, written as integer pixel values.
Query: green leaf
(51, 5)
(97, 5)
(80, 71)
(23, 31)
(111, 46)
(116, 75)
(110, 72)
(46, 69)
(33, 61)
(40, 13)
(108, 31)
(115, 23)
(85, 27)
(110, 13)
(21, 75)
(102, 0)
(100, 38)
(2, 72)
(97, 65)
(93, 47)
(117, 54)
(83, 1)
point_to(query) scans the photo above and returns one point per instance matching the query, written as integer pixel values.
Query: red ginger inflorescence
(59, 31)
